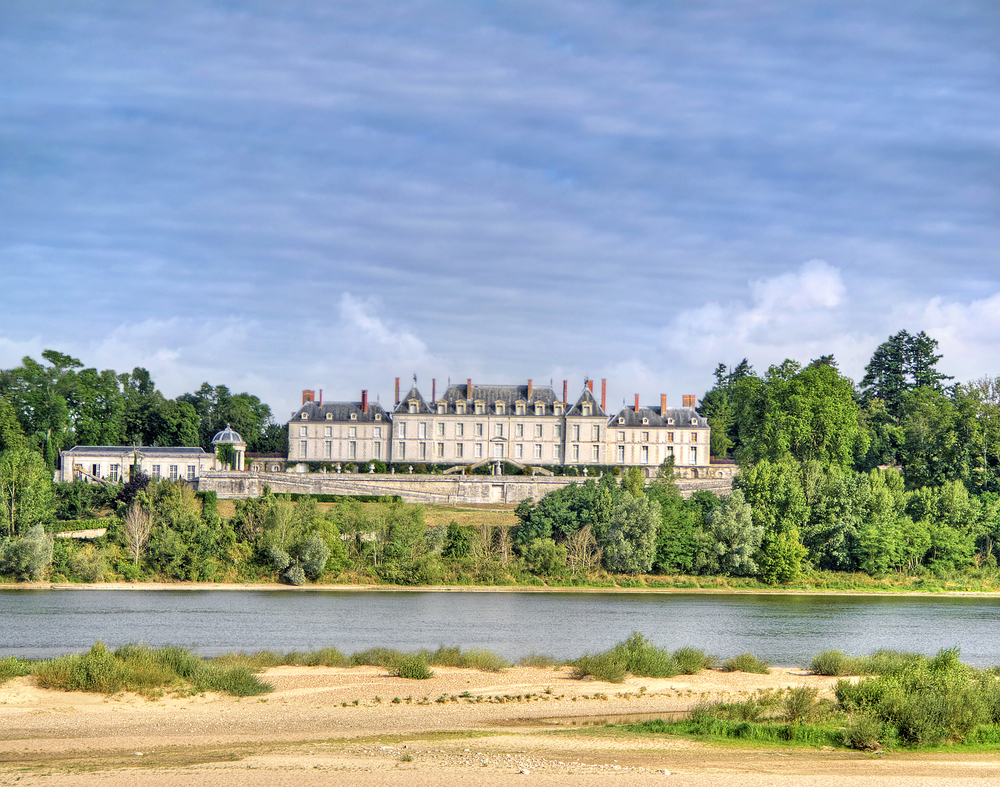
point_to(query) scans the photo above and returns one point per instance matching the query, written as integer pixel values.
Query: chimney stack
(397, 390)
(530, 388)
(364, 402)
(565, 397)
(590, 386)
(689, 400)
(434, 390)
(663, 404)
(468, 388)
(308, 396)
(637, 402)
(604, 394)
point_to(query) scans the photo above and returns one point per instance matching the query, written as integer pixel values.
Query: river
(786, 630)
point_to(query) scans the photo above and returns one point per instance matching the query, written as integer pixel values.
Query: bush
(538, 660)
(799, 703)
(413, 667)
(862, 732)
(833, 663)
(603, 666)
(26, 557)
(691, 661)
(746, 662)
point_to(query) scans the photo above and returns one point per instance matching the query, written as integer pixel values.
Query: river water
(783, 629)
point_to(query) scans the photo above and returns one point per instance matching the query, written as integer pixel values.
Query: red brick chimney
(590, 386)
(637, 402)
(663, 404)
(364, 402)
(434, 390)
(529, 390)
(689, 400)
(308, 396)
(604, 394)
(565, 388)
(320, 397)
(468, 388)
(397, 390)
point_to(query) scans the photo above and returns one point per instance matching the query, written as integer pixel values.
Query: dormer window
(329, 416)
(645, 422)
(413, 405)
(480, 408)
(586, 410)
(557, 409)
(621, 419)
(441, 408)
(694, 421)
(460, 408)
(305, 416)
(670, 421)
(354, 416)
(500, 408)
(539, 408)
(378, 416)
(519, 408)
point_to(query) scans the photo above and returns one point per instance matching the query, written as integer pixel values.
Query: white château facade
(526, 425)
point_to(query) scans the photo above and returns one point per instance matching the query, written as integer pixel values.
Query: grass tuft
(746, 662)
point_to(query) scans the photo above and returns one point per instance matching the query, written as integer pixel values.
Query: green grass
(746, 662)
(145, 670)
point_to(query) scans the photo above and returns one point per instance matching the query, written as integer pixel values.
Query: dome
(227, 435)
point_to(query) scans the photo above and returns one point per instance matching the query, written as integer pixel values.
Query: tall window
(303, 448)
(114, 473)
(694, 455)
(423, 451)
(645, 454)
(498, 430)
(595, 453)
(518, 430)
(302, 431)
(352, 431)
(440, 450)
(556, 453)
(538, 430)
(440, 429)
(459, 430)
(538, 450)
(478, 430)
(191, 472)
(576, 453)
(401, 430)
(377, 432)
(402, 452)
(478, 451)
(156, 471)
(460, 450)
(422, 431)
(621, 454)
(498, 450)
(173, 472)
(327, 431)
(519, 451)
(377, 451)
(328, 449)
(576, 431)
(352, 450)
(595, 434)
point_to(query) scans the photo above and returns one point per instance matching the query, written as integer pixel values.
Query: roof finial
(414, 379)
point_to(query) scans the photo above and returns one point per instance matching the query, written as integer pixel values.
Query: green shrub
(799, 703)
(12, 667)
(413, 667)
(833, 663)
(746, 662)
(691, 661)
(485, 660)
(862, 732)
(603, 666)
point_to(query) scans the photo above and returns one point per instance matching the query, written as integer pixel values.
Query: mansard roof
(491, 394)
(339, 411)
(586, 396)
(404, 407)
(681, 416)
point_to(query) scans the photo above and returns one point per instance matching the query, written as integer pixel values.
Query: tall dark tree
(901, 364)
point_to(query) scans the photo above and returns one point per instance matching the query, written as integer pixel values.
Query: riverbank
(324, 724)
(271, 587)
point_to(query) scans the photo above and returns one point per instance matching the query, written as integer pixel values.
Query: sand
(341, 726)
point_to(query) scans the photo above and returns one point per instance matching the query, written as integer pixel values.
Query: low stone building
(114, 464)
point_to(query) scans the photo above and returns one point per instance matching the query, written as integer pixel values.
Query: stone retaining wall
(441, 490)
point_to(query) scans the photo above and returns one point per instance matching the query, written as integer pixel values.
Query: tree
(25, 490)
(900, 364)
(630, 545)
(808, 413)
(774, 492)
(137, 524)
(730, 539)
(26, 557)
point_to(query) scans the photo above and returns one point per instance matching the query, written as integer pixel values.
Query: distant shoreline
(353, 588)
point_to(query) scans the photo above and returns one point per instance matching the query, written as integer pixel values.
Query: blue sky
(279, 196)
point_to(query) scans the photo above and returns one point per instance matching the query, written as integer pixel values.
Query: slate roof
(682, 417)
(586, 396)
(341, 411)
(142, 450)
(404, 403)
(510, 395)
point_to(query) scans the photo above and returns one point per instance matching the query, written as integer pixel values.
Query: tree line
(57, 403)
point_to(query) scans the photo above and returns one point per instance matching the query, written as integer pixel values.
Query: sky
(329, 195)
